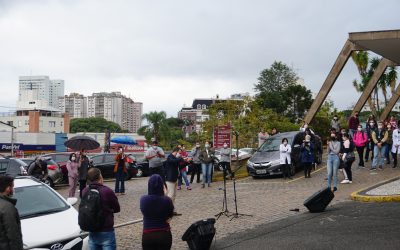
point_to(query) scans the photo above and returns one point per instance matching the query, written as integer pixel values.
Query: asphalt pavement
(346, 225)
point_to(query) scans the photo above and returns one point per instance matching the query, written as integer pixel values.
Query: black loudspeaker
(200, 234)
(317, 202)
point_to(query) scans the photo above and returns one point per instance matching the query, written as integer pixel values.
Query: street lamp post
(12, 136)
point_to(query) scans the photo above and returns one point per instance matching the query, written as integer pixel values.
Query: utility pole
(12, 136)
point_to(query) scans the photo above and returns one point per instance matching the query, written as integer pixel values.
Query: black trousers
(195, 169)
(307, 169)
(360, 151)
(82, 185)
(157, 240)
(227, 166)
(394, 156)
(347, 168)
(370, 148)
(286, 170)
(157, 170)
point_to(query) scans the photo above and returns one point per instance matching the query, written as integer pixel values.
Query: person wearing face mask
(360, 139)
(10, 226)
(380, 136)
(389, 142)
(353, 123)
(83, 169)
(395, 145)
(225, 161)
(207, 158)
(333, 161)
(120, 171)
(155, 156)
(284, 155)
(371, 126)
(72, 167)
(183, 168)
(335, 123)
(196, 164)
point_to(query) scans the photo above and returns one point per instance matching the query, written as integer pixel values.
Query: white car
(48, 221)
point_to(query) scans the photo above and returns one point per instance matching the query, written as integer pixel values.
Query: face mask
(333, 137)
(154, 147)
(306, 126)
(225, 146)
(359, 129)
(380, 127)
(207, 145)
(335, 119)
(285, 143)
(197, 145)
(389, 128)
(178, 155)
(120, 150)
(372, 124)
(73, 158)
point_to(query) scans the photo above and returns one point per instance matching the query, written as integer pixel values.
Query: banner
(222, 134)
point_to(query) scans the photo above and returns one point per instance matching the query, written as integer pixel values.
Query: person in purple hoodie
(157, 209)
(105, 237)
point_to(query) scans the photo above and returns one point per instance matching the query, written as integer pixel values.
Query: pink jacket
(360, 138)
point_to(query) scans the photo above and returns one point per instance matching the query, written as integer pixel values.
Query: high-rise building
(75, 104)
(40, 89)
(117, 108)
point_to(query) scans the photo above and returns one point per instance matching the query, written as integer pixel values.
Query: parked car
(55, 176)
(46, 216)
(106, 164)
(266, 160)
(61, 158)
(12, 167)
(142, 164)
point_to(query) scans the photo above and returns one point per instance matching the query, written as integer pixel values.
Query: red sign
(222, 134)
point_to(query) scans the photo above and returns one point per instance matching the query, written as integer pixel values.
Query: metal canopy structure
(384, 43)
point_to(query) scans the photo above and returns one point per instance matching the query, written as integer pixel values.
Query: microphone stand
(225, 210)
(236, 214)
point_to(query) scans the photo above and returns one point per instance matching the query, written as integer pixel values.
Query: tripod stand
(224, 200)
(236, 214)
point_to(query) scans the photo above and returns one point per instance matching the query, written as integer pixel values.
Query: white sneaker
(345, 181)
(350, 182)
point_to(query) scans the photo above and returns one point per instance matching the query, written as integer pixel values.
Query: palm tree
(156, 121)
(361, 59)
(392, 78)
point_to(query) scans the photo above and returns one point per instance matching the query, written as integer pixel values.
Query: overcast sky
(166, 53)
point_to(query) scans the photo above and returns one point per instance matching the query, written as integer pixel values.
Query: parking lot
(267, 200)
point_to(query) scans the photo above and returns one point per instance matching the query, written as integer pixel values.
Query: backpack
(90, 216)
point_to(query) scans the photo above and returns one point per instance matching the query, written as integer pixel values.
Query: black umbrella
(82, 142)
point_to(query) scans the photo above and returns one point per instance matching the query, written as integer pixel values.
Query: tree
(297, 99)
(155, 122)
(94, 124)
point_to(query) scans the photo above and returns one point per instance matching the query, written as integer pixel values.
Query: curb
(361, 195)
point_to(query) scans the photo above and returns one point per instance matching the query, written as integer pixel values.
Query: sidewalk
(386, 191)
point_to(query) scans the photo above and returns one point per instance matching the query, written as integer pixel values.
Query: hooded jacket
(172, 168)
(10, 226)
(156, 207)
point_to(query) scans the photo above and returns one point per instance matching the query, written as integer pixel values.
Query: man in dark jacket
(10, 226)
(105, 238)
(83, 168)
(307, 156)
(171, 174)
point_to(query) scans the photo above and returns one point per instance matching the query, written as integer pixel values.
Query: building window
(61, 123)
(52, 124)
(198, 106)
(19, 123)
(204, 106)
(26, 122)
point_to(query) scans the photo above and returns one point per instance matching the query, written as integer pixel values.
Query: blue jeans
(379, 156)
(206, 170)
(332, 167)
(120, 181)
(183, 175)
(102, 241)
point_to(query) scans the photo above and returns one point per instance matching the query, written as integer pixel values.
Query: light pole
(12, 136)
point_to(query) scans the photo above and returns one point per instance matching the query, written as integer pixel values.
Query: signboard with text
(222, 134)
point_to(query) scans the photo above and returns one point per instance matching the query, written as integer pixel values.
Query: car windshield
(37, 200)
(272, 144)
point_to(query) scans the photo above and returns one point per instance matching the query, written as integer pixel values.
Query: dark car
(142, 164)
(106, 164)
(55, 175)
(13, 167)
(266, 160)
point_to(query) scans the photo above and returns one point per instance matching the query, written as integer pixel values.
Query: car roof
(25, 181)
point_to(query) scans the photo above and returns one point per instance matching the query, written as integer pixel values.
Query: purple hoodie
(156, 207)
(110, 205)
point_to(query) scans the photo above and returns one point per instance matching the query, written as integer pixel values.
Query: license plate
(262, 171)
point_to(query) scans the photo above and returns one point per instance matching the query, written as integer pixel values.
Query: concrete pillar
(66, 122)
(340, 62)
(34, 121)
(391, 104)
(383, 64)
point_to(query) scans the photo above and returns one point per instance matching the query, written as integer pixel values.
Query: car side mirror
(72, 200)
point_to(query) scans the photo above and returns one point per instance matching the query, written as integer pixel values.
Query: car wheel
(139, 173)
(49, 182)
(292, 170)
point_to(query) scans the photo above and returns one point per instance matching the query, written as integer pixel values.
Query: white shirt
(396, 141)
(285, 153)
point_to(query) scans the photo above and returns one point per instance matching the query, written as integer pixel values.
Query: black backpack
(90, 216)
